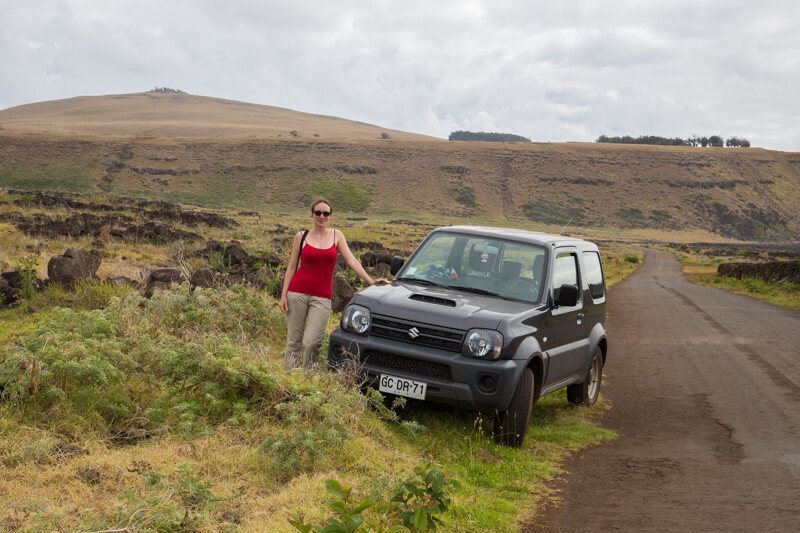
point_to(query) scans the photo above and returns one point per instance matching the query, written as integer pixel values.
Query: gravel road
(705, 388)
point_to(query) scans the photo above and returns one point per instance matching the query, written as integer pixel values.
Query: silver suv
(483, 318)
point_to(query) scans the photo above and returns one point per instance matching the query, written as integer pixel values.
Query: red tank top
(315, 275)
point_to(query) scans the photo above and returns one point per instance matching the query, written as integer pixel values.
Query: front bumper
(451, 377)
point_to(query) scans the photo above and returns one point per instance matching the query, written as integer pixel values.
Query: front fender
(530, 351)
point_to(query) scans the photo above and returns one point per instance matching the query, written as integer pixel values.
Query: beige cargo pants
(305, 329)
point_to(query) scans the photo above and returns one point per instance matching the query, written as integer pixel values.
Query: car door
(566, 344)
(594, 292)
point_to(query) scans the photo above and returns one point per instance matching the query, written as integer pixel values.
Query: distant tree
(736, 142)
(643, 139)
(486, 136)
(714, 141)
(158, 89)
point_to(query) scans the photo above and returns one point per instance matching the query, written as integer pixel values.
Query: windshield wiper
(473, 289)
(478, 291)
(421, 281)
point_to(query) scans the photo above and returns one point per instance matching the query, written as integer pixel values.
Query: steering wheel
(527, 289)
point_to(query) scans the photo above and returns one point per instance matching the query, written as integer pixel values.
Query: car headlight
(356, 319)
(483, 343)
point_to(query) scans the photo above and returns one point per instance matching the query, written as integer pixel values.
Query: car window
(565, 272)
(507, 269)
(594, 274)
(429, 262)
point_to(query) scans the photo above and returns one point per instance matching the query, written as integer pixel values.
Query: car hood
(438, 305)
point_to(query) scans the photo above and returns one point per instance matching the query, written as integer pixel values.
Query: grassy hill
(182, 115)
(223, 154)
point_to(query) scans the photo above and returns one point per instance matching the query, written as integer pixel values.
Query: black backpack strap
(300, 251)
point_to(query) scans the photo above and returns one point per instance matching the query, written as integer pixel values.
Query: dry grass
(227, 459)
(183, 115)
(228, 155)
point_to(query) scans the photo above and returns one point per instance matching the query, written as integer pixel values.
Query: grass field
(702, 269)
(88, 365)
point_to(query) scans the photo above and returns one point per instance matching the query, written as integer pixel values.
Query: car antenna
(564, 227)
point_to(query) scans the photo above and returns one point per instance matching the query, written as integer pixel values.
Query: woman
(307, 290)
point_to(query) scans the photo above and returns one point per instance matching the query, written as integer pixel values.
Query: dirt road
(705, 387)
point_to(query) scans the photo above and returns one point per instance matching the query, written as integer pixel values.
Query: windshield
(484, 265)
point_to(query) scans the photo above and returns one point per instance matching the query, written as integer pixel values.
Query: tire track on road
(792, 389)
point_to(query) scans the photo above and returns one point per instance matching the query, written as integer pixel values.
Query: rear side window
(565, 272)
(594, 274)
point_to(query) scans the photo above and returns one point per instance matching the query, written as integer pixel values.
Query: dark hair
(320, 201)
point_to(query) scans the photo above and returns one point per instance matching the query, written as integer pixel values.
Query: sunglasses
(325, 214)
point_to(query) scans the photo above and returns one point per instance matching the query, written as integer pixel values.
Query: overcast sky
(551, 71)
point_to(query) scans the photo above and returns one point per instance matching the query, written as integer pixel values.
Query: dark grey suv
(483, 318)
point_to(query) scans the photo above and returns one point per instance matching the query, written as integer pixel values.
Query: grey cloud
(567, 70)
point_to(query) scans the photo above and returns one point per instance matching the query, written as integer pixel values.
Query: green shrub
(316, 424)
(345, 195)
(630, 258)
(27, 266)
(83, 295)
(466, 196)
(164, 505)
(73, 362)
(414, 506)
(184, 359)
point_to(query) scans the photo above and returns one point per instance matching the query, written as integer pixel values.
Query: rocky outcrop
(235, 254)
(7, 295)
(87, 224)
(147, 209)
(770, 271)
(372, 258)
(74, 265)
(205, 278)
(162, 278)
(342, 292)
(12, 284)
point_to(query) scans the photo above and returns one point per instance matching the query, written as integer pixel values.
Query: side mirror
(567, 296)
(397, 264)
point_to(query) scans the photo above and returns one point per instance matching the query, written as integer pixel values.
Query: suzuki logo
(413, 333)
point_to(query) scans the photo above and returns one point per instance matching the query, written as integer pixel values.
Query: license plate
(402, 387)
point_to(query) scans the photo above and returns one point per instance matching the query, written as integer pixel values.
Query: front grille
(445, 339)
(428, 369)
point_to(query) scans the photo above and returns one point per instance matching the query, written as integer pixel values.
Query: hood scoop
(427, 298)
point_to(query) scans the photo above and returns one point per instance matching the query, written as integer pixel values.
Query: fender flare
(530, 351)
(598, 338)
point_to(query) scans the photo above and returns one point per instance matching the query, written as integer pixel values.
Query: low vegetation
(174, 412)
(487, 136)
(714, 141)
(702, 268)
(346, 195)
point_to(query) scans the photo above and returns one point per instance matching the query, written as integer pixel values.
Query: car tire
(586, 393)
(511, 425)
